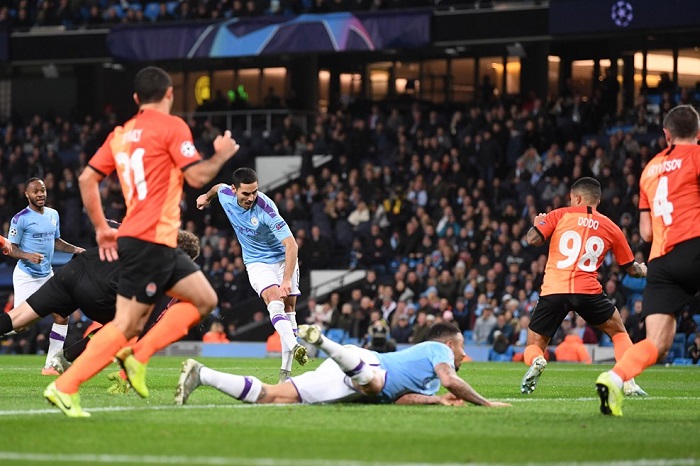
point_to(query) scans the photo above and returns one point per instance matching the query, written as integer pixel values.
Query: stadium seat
(501, 357)
(696, 318)
(682, 362)
(605, 340)
(689, 340)
(679, 338)
(336, 334)
(151, 11)
(352, 341)
(468, 337)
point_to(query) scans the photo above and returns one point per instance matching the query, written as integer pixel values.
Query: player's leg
(245, 388)
(57, 339)
(546, 319)
(615, 329)
(265, 279)
(349, 361)
(18, 318)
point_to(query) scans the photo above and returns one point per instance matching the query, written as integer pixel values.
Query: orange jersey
(580, 238)
(669, 189)
(149, 154)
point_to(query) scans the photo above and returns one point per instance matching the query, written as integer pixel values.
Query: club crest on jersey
(151, 289)
(53, 221)
(254, 221)
(187, 149)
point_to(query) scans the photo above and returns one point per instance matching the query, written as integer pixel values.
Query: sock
(531, 353)
(97, 355)
(348, 360)
(57, 338)
(617, 380)
(5, 324)
(174, 324)
(621, 343)
(281, 324)
(76, 349)
(292, 316)
(636, 359)
(287, 357)
(242, 388)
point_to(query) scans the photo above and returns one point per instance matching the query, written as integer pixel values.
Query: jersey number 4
(570, 247)
(662, 206)
(133, 173)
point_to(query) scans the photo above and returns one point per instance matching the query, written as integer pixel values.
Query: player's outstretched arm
(203, 200)
(199, 174)
(534, 237)
(63, 246)
(461, 389)
(448, 399)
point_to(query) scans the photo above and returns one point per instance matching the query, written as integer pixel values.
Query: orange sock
(97, 355)
(621, 343)
(531, 352)
(636, 359)
(174, 324)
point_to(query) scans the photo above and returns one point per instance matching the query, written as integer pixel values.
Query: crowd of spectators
(25, 14)
(433, 202)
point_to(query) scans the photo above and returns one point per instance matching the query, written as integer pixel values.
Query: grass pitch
(558, 424)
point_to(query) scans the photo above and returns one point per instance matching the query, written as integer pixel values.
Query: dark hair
(244, 175)
(588, 187)
(442, 331)
(189, 243)
(150, 84)
(32, 180)
(682, 122)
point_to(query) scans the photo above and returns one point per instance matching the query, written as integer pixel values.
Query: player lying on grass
(89, 284)
(411, 376)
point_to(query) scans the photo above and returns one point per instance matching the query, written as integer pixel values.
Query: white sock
(243, 388)
(287, 357)
(616, 378)
(57, 338)
(292, 316)
(348, 360)
(281, 324)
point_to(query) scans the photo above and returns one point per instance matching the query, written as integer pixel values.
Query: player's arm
(645, 230)
(534, 236)
(33, 257)
(637, 270)
(199, 174)
(461, 389)
(60, 245)
(89, 182)
(291, 252)
(448, 399)
(203, 200)
(623, 254)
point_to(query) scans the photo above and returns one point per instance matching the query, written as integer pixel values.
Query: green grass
(558, 423)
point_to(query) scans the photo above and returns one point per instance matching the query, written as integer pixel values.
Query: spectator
(401, 332)
(421, 327)
(584, 331)
(216, 333)
(484, 325)
(693, 351)
(572, 349)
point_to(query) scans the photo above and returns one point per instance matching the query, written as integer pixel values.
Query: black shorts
(550, 311)
(148, 269)
(672, 279)
(84, 283)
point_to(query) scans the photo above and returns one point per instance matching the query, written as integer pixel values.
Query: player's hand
(35, 257)
(7, 248)
(538, 219)
(497, 404)
(79, 250)
(449, 399)
(107, 242)
(202, 201)
(226, 145)
(285, 288)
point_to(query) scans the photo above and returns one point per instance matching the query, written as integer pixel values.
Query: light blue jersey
(413, 370)
(35, 232)
(260, 229)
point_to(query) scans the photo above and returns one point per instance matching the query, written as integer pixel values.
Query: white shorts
(25, 285)
(328, 383)
(262, 276)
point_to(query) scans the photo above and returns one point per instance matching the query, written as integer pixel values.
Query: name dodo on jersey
(588, 223)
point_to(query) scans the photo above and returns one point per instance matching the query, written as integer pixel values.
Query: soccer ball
(622, 13)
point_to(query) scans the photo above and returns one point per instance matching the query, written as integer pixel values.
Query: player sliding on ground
(411, 376)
